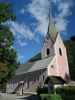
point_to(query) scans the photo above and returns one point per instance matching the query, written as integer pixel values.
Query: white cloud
(21, 32)
(20, 40)
(64, 11)
(61, 24)
(22, 29)
(22, 43)
(39, 9)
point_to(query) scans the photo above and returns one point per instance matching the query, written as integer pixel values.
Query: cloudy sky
(31, 23)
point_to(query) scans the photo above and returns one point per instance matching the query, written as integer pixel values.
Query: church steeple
(52, 32)
(48, 48)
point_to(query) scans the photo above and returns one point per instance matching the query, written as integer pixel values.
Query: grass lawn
(50, 97)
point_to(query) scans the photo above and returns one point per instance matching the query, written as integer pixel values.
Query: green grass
(50, 97)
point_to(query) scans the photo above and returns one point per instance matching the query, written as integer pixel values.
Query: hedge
(42, 91)
(67, 92)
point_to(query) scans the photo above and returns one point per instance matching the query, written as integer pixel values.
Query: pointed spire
(52, 32)
(49, 18)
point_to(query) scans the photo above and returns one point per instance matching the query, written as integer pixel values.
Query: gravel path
(10, 97)
(14, 97)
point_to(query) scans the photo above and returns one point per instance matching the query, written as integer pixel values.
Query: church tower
(48, 49)
(54, 47)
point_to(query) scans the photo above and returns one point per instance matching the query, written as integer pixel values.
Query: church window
(43, 77)
(52, 66)
(60, 52)
(48, 51)
(28, 84)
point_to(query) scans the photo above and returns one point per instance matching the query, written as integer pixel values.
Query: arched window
(60, 51)
(48, 51)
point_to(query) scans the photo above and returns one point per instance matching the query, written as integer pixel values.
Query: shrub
(42, 90)
(67, 92)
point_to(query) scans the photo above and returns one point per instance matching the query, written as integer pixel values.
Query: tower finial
(50, 20)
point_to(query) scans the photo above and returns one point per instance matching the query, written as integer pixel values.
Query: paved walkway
(11, 97)
(14, 97)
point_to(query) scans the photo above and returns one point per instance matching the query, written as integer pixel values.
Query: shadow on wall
(67, 77)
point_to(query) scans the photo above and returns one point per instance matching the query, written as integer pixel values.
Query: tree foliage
(8, 55)
(70, 46)
(6, 12)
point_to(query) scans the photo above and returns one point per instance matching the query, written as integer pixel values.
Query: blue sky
(31, 23)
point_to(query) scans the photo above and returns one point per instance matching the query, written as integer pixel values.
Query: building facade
(50, 62)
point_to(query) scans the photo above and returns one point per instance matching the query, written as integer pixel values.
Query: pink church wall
(59, 63)
(52, 71)
(61, 60)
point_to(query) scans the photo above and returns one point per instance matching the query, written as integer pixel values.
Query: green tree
(70, 46)
(8, 57)
(6, 12)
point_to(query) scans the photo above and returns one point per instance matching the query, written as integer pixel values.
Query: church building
(50, 62)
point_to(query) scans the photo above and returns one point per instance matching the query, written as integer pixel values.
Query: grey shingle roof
(34, 66)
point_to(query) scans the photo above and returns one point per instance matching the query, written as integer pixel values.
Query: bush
(42, 90)
(50, 97)
(67, 92)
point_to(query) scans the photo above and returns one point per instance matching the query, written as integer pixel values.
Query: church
(50, 62)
